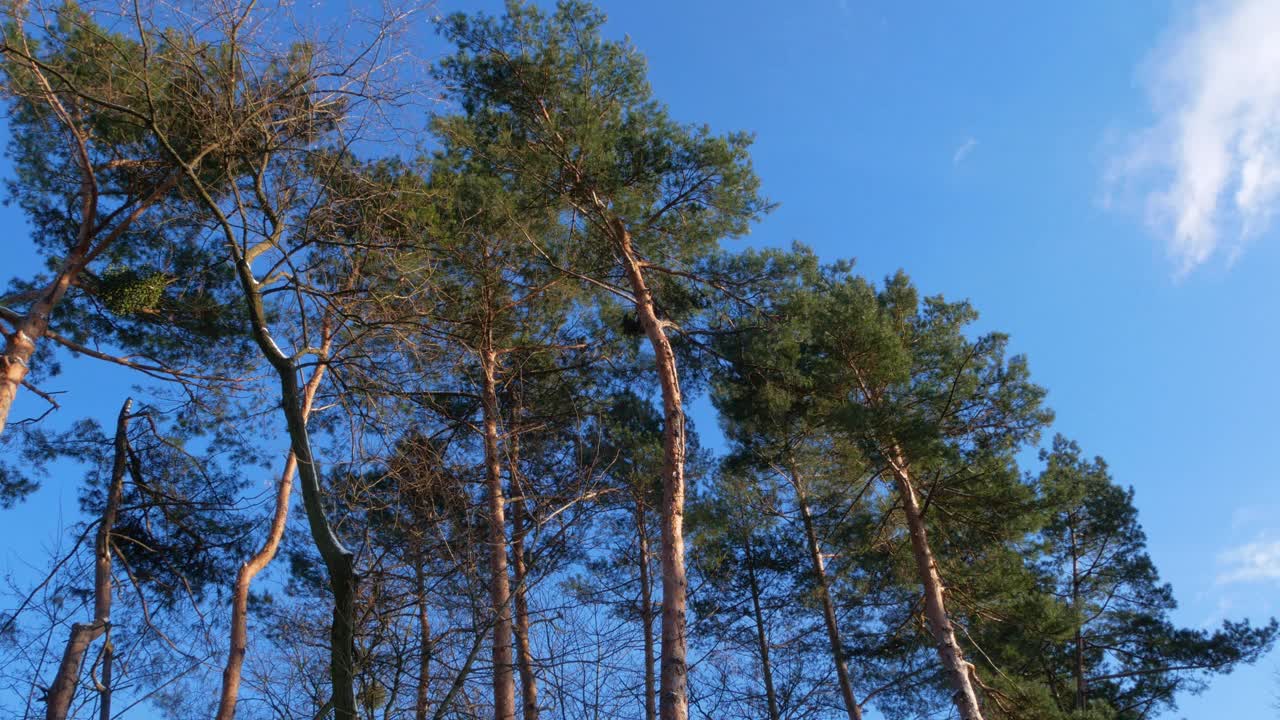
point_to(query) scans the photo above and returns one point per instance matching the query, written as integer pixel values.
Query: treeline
(477, 345)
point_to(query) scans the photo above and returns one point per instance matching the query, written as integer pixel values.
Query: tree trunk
(646, 614)
(1082, 688)
(524, 652)
(104, 695)
(15, 362)
(674, 701)
(851, 706)
(959, 672)
(63, 688)
(762, 636)
(20, 346)
(504, 694)
(1082, 698)
(519, 529)
(422, 697)
(239, 634)
(338, 560)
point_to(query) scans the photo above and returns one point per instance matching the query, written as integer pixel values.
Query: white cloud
(963, 151)
(1209, 169)
(1252, 562)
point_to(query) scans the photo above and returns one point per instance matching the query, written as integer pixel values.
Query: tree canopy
(479, 351)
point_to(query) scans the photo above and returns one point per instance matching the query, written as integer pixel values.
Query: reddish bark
(674, 700)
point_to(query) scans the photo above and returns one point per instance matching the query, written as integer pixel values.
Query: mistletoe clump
(125, 291)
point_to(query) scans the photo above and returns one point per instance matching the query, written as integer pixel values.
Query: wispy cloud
(1209, 168)
(963, 151)
(1252, 562)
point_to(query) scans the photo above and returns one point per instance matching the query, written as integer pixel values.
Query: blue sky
(1095, 176)
(1048, 161)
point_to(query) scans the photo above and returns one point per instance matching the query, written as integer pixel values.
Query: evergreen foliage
(477, 352)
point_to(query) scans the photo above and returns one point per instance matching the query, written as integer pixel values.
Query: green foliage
(1093, 562)
(828, 378)
(547, 101)
(127, 292)
(503, 245)
(165, 292)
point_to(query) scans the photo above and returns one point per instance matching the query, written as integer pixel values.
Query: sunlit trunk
(958, 671)
(504, 694)
(674, 701)
(20, 345)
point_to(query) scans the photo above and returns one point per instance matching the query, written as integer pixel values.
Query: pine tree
(1124, 655)
(547, 99)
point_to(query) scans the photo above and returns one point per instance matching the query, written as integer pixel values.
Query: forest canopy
(467, 311)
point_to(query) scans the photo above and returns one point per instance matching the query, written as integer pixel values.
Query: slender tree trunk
(851, 706)
(762, 635)
(104, 695)
(63, 688)
(239, 634)
(958, 671)
(1082, 697)
(674, 701)
(342, 668)
(646, 615)
(1082, 689)
(15, 362)
(504, 693)
(338, 560)
(460, 680)
(422, 697)
(524, 651)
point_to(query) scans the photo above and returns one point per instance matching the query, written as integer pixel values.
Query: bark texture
(504, 691)
(674, 701)
(958, 671)
(19, 347)
(63, 689)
